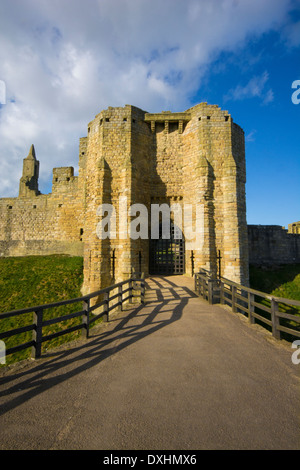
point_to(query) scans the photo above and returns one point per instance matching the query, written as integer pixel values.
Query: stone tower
(29, 180)
(191, 159)
(134, 167)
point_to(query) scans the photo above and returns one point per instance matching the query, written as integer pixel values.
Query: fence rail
(246, 300)
(104, 299)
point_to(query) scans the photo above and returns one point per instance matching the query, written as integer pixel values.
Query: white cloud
(255, 88)
(291, 34)
(251, 136)
(269, 97)
(63, 61)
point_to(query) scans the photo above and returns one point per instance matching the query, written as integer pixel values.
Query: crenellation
(64, 180)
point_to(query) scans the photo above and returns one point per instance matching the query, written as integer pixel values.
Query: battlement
(64, 179)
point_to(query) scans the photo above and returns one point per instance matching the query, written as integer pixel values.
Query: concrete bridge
(176, 374)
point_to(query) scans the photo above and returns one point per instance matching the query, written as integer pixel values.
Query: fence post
(275, 319)
(106, 306)
(37, 334)
(221, 292)
(203, 287)
(197, 284)
(233, 298)
(120, 300)
(251, 307)
(86, 318)
(143, 288)
(210, 291)
(216, 290)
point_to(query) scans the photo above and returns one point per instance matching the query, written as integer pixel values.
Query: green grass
(35, 280)
(282, 281)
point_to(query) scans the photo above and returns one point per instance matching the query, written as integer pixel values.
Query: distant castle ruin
(195, 157)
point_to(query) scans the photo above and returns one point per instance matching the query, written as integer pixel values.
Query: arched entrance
(167, 255)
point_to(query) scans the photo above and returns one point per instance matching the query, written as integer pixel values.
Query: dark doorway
(167, 255)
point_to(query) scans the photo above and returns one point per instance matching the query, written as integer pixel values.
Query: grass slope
(284, 282)
(35, 280)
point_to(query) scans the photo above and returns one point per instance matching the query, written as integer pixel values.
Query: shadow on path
(58, 366)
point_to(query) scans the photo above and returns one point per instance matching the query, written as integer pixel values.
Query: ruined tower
(29, 180)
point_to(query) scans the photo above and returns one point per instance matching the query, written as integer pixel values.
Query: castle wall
(44, 224)
(272, 244)
(191, 158)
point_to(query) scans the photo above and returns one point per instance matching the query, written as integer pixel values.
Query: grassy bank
(35, 280)
(282, 281)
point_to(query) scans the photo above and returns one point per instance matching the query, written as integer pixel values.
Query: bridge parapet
(280, 315)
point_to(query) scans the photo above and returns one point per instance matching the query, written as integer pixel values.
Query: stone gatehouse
(194, 158)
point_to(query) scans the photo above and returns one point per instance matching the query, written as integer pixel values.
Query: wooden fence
(103, 308)
(268, 309)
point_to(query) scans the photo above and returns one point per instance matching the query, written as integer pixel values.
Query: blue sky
(63, 61)
(271, 123)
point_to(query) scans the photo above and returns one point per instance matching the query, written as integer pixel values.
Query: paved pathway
(178, 374)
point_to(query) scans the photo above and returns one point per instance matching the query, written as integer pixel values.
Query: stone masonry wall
(130, 156)
(36, 224)
(272, 245)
